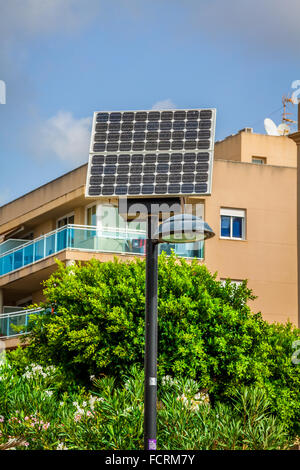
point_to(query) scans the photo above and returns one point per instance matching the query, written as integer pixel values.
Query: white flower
(168, 380)
(61, 446)
(93, 400)
(35, 370)
(49, 393)
(84, 404)
(202, 397)
(183, 398)
(128, 410)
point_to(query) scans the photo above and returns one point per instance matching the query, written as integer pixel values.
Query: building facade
(252, 210)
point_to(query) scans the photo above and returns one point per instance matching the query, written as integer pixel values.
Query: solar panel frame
(159, 152)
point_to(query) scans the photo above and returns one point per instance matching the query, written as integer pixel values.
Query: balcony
(15, 324)
(89, 239)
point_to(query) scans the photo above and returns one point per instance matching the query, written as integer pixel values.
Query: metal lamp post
(182, 228)
(139, 158)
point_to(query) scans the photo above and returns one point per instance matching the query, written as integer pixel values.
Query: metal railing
(16, 323)
(87, 238)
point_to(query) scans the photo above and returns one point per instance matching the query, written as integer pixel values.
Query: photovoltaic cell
(144, 153)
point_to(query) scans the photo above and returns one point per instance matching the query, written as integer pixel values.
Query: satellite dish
(283, 129)
(271, 128)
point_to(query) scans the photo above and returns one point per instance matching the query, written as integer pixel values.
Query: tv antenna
(285, 119)
(285, 127)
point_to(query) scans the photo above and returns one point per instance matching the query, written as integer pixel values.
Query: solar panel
(151, 153)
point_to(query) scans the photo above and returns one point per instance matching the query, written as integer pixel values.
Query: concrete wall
(296, 139)
(229, 148)
(40, 196)
(279, 151)
(49, 201)
(268, 256)
(44, 228)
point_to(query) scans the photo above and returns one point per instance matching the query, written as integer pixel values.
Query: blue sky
(64, 59)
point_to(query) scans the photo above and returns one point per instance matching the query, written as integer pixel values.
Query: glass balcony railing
(86, 238)
(11, 244)
(16, 323)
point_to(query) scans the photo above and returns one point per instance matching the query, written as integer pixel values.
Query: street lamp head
(183, 228)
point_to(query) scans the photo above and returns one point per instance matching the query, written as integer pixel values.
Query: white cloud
(19, 17)
(62, 137)
(272, 24)
(164, 104)
(266, 21)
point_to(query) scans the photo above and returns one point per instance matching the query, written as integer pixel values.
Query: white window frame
(233, 213)
(66, 216)
(86, 211)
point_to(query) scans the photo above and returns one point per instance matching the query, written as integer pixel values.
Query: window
(91, 218)
(65, 220)
(233, 223)
(259, 160)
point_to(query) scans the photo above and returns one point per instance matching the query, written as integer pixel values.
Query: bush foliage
(36, 414)
(206, 330)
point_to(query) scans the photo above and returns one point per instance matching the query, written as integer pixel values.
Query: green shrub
(206, 330)
(35, 416)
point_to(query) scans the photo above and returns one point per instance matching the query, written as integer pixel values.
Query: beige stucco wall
(49, 225)
(44, 228)
(280, 151)
(80, 214)
(268, 256)
(40, 196)
(229, 148)
(296, 139)
(277, 150)
(48, 201)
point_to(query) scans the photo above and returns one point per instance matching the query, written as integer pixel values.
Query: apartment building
(252, 210)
